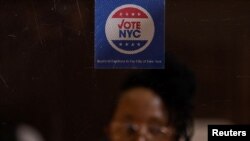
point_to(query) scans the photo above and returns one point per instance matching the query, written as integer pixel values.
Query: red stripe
(129, 13)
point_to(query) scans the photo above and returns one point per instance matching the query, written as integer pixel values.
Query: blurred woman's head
(154, 105)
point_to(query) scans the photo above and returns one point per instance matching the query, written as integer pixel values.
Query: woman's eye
(155, 129)
(131, 129)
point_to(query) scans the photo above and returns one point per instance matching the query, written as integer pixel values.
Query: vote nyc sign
(129, 34)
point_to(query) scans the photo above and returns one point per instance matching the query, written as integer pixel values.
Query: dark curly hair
(175, 85)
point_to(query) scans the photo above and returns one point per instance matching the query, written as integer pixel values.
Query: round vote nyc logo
(130, 29)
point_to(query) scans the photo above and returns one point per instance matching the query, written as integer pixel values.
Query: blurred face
(140, 116)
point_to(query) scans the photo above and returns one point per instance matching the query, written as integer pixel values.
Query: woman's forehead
(140, 94)
(140, 102)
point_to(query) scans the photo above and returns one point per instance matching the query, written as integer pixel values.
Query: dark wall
(213, 38)
(46, 63)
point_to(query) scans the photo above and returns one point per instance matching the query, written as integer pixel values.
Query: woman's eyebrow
(128, 117)
(157, 120)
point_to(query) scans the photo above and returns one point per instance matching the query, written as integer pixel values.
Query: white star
(121, 14)
(132, 44)
(120, 44)
(139, 14)
(126, 14)
(133, 14)
(138, 44)
(126, 44)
